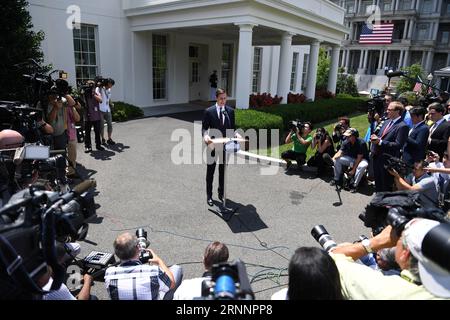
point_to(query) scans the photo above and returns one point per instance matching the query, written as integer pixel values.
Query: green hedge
(123, 111)
(252, 119)
(317, 111)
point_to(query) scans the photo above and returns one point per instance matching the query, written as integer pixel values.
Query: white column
(438, 6)
(332, 76)
(429, 64)
(405, 30)
(435, 31)
(350, 35)
(417, 5)
(244, 66)
(406, 58)
(400, 60)
(380, 59)
(386, 52)
(285, 69)
(347, 62)
(361, 59)
(412, 25)
(366, 56)
(312, 70)
(396, 5)
(448, 60)
(424, 57)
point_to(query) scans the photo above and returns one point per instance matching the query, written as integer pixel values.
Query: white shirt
(189, 289)
(219, 111)
(106, 94)
(62, 293)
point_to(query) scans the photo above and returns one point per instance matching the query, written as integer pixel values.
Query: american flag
(378, 34)
(417, 87)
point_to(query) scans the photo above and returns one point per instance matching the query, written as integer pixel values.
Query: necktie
(386, 130)
(222, 118)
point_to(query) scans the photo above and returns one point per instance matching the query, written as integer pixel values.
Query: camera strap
(12, 262)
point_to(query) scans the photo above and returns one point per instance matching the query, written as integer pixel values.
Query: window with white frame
(305, 71)
(294, 72)
(350, 7)
(257, 59)
(159, 50)
(86, 62)
(445, 37)
(423, 31)
(387, 5)
(427, 6)
(406, 4)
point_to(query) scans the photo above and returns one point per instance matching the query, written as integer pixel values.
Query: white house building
(161, 52)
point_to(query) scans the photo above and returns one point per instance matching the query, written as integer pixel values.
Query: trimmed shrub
(323, 94)
(252, 119)
(317, 111)
(123, 111)
(260, 100)
(296, 98)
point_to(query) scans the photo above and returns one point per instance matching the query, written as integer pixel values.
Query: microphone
(395, 74)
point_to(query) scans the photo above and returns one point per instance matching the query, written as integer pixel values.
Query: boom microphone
(395, 74)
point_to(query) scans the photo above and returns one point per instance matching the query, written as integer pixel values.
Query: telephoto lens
(321, 235)
(397, 220)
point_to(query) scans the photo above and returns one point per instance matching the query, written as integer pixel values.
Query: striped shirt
(136, 281)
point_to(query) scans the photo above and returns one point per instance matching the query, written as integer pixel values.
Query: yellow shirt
(360, 282)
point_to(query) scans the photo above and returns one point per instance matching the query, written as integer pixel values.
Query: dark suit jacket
(439, 138)
(393, 140)
(212, 121)
(416, 144)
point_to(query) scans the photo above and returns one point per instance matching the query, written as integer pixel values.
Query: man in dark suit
(219, 120)
(417, 139)
(439, 131)
(390, 140)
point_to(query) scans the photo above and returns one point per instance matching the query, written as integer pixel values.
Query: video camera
(296, 124)
(376, 105)
(395, 209)
(229, 281)
(393, 163)
(30, 225)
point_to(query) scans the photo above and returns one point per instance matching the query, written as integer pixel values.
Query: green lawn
(358, 121)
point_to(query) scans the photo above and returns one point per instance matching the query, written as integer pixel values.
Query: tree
(405, 84)
(323, 68)
(18, 44)
(346, 84)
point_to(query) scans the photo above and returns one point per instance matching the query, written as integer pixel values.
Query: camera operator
(439, 131)
(420, 181)
(301, 140)
(353, 154)
(134, 280)
(324, 145)
(215, 253)
(313, 275)
(390, 140)
(339, 129)
(104, 90)
(421, 278)
(93, 117)
(57, 117)
(415, 146)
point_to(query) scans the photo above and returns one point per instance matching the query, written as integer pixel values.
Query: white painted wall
(113, 37)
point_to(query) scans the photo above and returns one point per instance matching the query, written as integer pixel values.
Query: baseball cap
(351, 132)
(434, 278)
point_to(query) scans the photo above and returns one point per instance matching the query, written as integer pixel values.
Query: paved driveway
(139, 186)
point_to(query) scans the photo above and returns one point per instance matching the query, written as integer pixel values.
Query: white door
(195, 89)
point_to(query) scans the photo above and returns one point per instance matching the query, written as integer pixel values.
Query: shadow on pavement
(118, 147)
(245, 219)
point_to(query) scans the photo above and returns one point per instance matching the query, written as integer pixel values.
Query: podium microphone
(395, 74)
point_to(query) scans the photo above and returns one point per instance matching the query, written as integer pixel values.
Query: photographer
(216, 252)
(339, 129)
(93, 117)
(415, 146)
(134, 280)
(104, 90)
(421, 278)
(324, 145)
(420, 181)
(353, 154)
(72, 118)
(302, 139)
(313, 275)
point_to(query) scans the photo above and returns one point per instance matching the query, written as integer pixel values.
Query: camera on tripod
(143, 244)
(229, 281)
